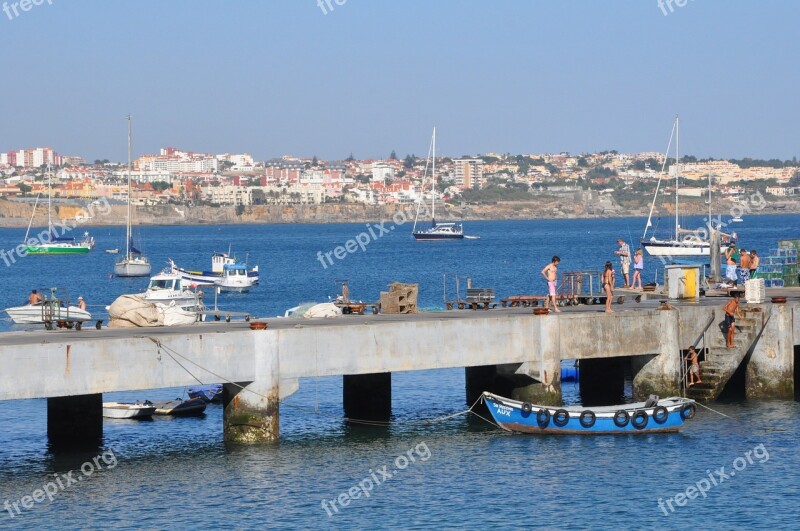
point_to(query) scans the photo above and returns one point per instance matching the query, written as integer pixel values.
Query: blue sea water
(178, 473)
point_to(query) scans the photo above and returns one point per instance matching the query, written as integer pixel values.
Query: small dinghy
(119, 410)
(207, 393)
(654, 416)
(193, 407)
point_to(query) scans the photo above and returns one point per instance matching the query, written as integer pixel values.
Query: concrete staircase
(720, 362)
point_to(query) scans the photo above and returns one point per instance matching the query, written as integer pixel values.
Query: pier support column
(770, 371)
(661, 375)
(75, 422)
(367, 396)
(477, 380)
(251, 415)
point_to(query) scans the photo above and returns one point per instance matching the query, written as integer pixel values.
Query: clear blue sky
(275, 77)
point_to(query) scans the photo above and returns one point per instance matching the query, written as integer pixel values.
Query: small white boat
(193, 407)
(168, 287)
(112, 251)
(235, 278)
(54, 308)
(119, 410)
(736, 219)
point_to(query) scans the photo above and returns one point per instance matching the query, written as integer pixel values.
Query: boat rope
(169, 351)
(714, 410)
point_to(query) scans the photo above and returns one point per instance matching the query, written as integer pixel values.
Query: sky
(288, 77)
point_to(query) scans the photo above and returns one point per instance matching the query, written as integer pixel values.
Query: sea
(731, 467)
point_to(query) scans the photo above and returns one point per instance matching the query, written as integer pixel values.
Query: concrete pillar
(75, 422)
(367, 396)
(662, 374)
(770, 370)
(251, 412)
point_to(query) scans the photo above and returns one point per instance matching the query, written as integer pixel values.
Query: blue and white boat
(654, 416)
(207, 393)
(209, 278)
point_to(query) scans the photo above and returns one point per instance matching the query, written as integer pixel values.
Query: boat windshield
(162, 283)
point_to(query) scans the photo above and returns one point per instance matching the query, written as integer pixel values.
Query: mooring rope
(169, 351)
(714, 410)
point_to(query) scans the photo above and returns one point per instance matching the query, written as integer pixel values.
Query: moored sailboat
(437, 231)
(134, 263)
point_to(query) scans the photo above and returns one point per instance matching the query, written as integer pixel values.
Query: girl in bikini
(608, 285)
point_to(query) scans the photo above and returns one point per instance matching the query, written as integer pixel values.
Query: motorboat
(54, 308)
(119, 410)
(193, 407)
(169, 287)
(218, 263)
(206, 393)
(235, 278)
(653, 416)
(112, 251)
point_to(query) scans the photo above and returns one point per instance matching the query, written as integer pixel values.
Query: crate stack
(401, 298)
(779, 268)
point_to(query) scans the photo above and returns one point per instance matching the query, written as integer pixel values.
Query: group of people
(740, 265)
(607, 278)
(36, 298)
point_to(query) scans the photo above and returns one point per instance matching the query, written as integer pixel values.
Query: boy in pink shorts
(550, 273)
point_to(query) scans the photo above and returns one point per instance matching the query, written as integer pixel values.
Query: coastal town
(605, 183)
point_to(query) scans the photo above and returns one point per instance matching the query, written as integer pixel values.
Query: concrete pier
(509, 351)
(367, 396)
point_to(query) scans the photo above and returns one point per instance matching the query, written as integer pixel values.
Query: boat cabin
(165, 282)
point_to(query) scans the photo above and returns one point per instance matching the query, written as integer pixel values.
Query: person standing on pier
(638, 268)
(624, 253)
(732, 311)
(754, 262)
(731, 257)
(608, 282)
(34, 298)
(550, 273)
(744, 271)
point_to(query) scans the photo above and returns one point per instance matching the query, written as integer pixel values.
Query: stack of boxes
(779, 269)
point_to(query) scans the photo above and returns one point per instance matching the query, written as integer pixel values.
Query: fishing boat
(49, 242)
(683, 242)
(119, 410)
(437, 231)
(168, 287)
(207, 393)
(218, 263)
(134, 263)
(54, 308)
(653, 416)
(235, 278)
(193, 407)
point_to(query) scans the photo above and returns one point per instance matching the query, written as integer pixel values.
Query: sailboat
(50, 242)
(437, 231)
(692, 243)
(134, 263)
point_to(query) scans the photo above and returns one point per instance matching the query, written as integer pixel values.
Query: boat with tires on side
(653, 416)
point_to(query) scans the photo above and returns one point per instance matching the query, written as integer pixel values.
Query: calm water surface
(178, 473)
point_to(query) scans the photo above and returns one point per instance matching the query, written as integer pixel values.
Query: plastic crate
(790, 281)
(754, 290)
(777, 283)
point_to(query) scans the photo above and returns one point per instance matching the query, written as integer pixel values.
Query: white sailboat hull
(132, 267)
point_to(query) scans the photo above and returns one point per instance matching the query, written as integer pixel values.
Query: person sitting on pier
(694, 367)
(550, 273)
(81, 303)
(732, 311)
(35, 298)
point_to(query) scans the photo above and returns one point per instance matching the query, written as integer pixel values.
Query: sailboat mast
(49, 201)
(677, 173)
(128, 230)
(433, 180)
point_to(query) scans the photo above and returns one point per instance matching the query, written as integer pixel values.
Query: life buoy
(639, 419)
(660, 414)
(621, 418)
(588, 418)
(543, 417)
(561, 417)
(526, 407)
(688, 411)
